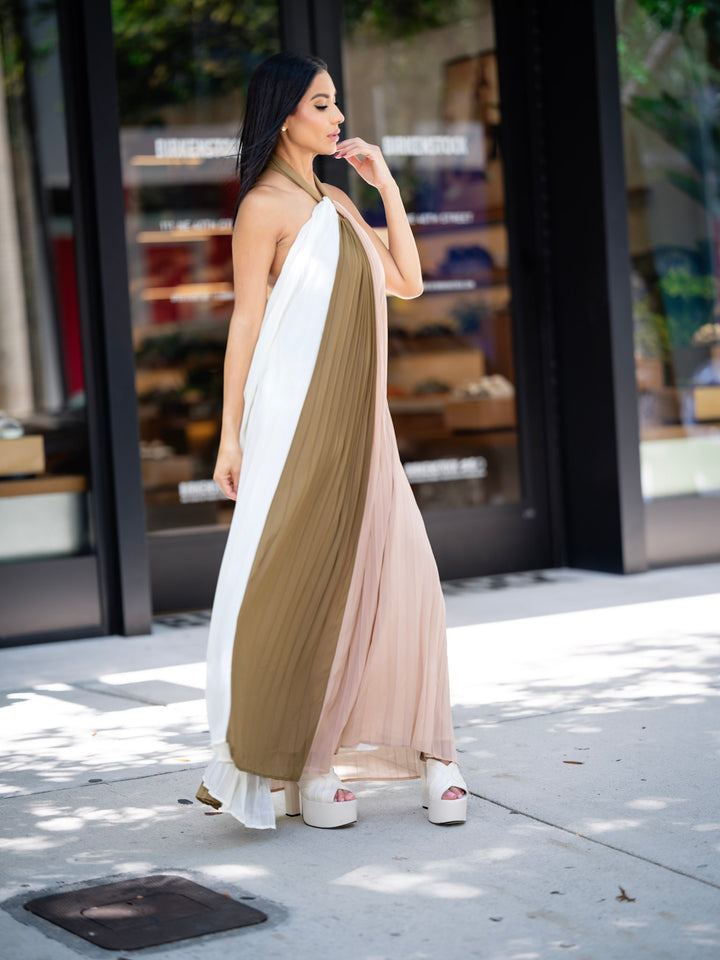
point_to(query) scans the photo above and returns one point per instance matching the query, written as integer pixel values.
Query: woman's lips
(334, 136)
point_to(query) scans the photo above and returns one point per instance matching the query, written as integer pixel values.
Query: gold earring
(284, 129)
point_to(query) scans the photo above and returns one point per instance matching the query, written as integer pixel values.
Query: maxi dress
(327, 643)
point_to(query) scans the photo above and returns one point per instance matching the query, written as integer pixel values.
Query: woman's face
(315, 123)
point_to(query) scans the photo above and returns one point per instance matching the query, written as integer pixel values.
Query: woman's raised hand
(227, 469)
(372, 167)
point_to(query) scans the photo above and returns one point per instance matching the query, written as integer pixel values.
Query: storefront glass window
(421, 81)
(182, 71)
(670, 86)
(44, 461)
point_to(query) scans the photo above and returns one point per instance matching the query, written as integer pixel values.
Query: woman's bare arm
(403, 274)
(253, 249)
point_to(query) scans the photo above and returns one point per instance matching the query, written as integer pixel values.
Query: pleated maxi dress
(327, 643)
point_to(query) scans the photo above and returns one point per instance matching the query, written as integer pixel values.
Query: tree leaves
(173, 52)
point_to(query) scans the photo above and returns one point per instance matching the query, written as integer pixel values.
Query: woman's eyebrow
(328, 96)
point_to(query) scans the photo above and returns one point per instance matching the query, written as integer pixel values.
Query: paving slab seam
(103, 782)
(492, 722)
(90, 687)
(600, 843)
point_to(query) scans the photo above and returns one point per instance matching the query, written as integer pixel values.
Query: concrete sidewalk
(586, 713)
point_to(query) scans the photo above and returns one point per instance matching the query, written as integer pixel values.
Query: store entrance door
(181, 94)
(51, 557)
(464, 371)
(464, 366)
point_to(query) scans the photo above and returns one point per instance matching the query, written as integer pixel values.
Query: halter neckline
(276, 163)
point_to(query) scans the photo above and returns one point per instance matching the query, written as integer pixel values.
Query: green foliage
(13, 63)
(403, 18)
(669, 51)
(14, 54)
(684, 111)
(680, 282)
(675, 15)
(692, 186)
(171, 52)
(650, 332)
(677, 121)
(631, 67)
(690, 302)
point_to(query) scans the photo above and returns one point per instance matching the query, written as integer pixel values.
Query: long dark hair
(276, 88)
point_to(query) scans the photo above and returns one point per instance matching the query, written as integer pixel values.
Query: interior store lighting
(148, 160)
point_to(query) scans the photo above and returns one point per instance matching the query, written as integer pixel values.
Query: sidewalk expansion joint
(493, 721)
(101, 782)
(600, 843)
(90, 687)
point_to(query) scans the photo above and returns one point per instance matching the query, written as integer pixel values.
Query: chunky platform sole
(447, 812)
(316, 813)
(438, 777)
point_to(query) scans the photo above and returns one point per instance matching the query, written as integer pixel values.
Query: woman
(327, 640)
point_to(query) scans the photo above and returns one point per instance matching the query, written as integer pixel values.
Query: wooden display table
(21, 456)
(480, 413)
(26, 487)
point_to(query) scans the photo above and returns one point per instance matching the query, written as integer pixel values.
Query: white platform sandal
(314, 798)
(437, 777)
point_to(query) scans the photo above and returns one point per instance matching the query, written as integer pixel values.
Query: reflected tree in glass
(670, 71)
(180, 51)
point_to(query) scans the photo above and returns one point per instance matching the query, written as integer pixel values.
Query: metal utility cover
(145, 912)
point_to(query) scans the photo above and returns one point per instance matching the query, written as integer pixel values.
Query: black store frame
(469, 541)
(305, 26)
(567, 221)
(571, 306)
(571, 69)
(108, 591)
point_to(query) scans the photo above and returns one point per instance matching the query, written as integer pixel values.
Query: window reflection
(181, 100)
(425, 87)
(670, 77)
(44, 463)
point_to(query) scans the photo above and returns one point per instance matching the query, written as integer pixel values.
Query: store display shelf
(481, 413)
(52, 483)
(477, 414)
(497, 277)
(148, 379)
(22, 455)
(168, 471)
(160, 237)
(492, 216)
(678, 431)
(683, 405)
(190, 292)
(428, 403)
(194, 325)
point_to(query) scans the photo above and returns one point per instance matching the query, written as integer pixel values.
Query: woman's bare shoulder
(262, 207)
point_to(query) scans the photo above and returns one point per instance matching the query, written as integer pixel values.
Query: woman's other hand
(372, 167)
(227, 469)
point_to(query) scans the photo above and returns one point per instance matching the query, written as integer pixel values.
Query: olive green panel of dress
(292, 610)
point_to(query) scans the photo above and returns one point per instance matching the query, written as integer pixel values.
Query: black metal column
(87, 54)
(315, 27)
(588, 266)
